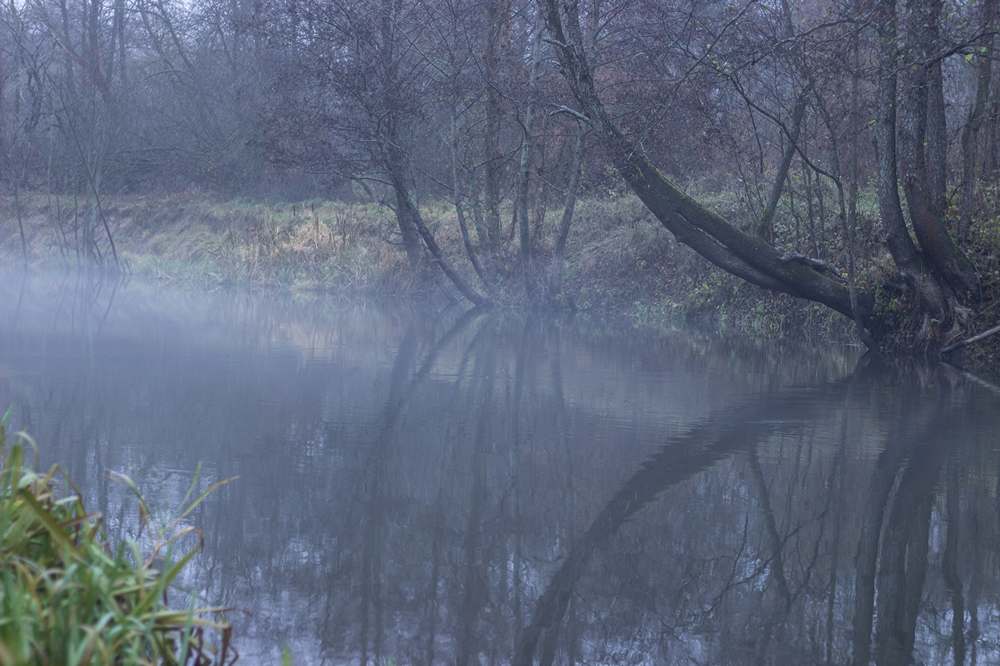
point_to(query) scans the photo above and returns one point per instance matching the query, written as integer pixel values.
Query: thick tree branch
(694, 225)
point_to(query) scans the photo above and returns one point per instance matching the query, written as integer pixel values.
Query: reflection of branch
(394, 408)
(400, 392)
(682, 457)
(771, 525)
(975, 379)
(914, 454)
(731, 580)
(949, 563)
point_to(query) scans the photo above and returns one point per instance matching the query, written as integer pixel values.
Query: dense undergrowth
(619, 261)
(69, 596)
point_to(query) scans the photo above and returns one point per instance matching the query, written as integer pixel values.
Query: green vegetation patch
(68, 596)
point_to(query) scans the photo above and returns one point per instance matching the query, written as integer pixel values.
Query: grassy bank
(620, 261)
(69, 596)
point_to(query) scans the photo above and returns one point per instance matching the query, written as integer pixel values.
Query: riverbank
(620, 262)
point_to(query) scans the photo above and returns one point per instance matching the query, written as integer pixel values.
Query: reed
(70, 596)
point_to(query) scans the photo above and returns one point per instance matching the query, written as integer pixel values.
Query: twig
(559, 108)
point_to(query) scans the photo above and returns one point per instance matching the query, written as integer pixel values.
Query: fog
(428, 487)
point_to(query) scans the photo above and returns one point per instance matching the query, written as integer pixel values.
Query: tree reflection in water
(472, 490)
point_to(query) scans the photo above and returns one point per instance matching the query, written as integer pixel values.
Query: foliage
(68, 596)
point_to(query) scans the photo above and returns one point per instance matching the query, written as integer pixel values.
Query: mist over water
(452, 487)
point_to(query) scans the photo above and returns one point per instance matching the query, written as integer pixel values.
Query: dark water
(439, 488)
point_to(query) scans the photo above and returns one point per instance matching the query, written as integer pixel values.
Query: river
(450, 487)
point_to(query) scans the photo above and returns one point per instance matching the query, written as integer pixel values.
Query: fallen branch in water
(969, 341)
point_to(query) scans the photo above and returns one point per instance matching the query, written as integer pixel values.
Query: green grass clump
(67, 596)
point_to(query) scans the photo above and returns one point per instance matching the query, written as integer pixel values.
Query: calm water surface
(419, 488)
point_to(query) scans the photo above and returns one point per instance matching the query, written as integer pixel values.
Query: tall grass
(69, 596)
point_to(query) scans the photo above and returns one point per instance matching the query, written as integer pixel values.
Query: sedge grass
(69, 596)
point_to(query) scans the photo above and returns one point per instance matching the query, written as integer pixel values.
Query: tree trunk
(904, 253)
(463, 226)
(395, 161)
(392, 154)
(407, 209)
(970, 133)
(541, 189)
(943, 255)
(524, 173)
(572, 189)
(569, 208)
(847, 213)
(901, 247)
(765, 226)
(937, 135)
(498, 33)
(408, 230)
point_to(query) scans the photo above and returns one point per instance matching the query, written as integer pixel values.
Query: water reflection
(467, 488)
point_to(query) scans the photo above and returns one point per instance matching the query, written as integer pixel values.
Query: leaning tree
(927, 301)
